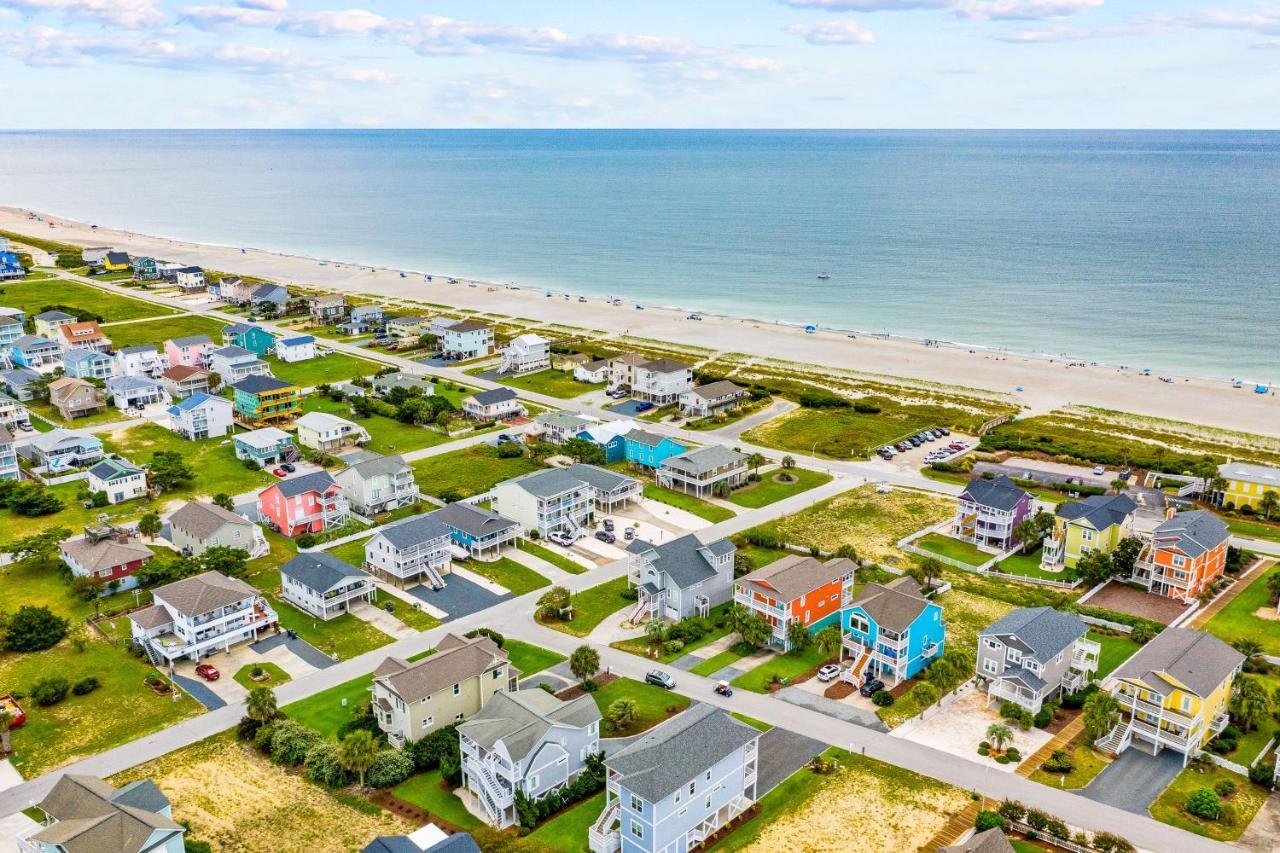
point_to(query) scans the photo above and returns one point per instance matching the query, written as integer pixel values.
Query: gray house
(528, 741)
(609, 488)
(83, 814)
(678, 784)
(1032, 654)
(680, 578)
(415, 549)
(378, 484)
(698, 472)
(323, 585)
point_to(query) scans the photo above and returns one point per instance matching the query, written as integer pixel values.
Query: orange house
(797, 589)
(1184, 555)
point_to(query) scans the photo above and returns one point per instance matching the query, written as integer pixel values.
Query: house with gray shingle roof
(558, 426)
(1097, 523)
(136, 392)
(711, 398)
(891, 631)
(990, 841)
(323, 585)
(987, 512)
(678, 784)
(476, 530)
(548, 501)
(699, 472)
(199, 616)
(198, 526)
(661, 381)
(83, 814)
(1184, 555)
(680, 578)
(416, 548)
(494, 404)
(528, 741)
(610, 489)
(411, 700)
(379, 484)
(108, 556)
(1032, 654)
(797, 588)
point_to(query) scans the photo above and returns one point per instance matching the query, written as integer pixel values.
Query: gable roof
(191, 340)
(1267, 477)
(261, 384)
(67, 386)
(678, 750)
(203, 592)
(493, 395)
(137, 348)
(78, 355)
(990, 841)
(233, 353)
(473, 520)
(27, 343)
(298, 341)
(563, 419)
(196, 400)
(1101, 511)
(520, 720)
(202, 520)
(715, 390)
(683, 560)
(120, 384)
(466, 326)
(648, 439)
(546, 483)
(894, 606)
(413, 531)
(320, 571)
(1041, 633)
(91, 816)
(599, 478)
(55, 437)
(316, 481)
(263, 439)
(320, 421)
(110, 469)
(664, 365)
(795, 575)
(705, 459)
(456, 660)
(51, 316)
(1192, 532)
(999, 493)
(377, 464)
(1198, 660)
(105, 553)
(182, 372)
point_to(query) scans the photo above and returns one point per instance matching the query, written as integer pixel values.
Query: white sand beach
(1046, 384)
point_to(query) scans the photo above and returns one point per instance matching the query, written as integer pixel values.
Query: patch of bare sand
(895, 812)
(239, 801)
(1267, 614)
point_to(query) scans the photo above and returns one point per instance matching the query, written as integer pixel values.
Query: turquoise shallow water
(1153, 249)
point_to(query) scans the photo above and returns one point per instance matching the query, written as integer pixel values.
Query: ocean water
(1157, 249)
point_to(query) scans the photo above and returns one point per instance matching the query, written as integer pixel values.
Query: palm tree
(755, 460)
(999, 734)
(1273, 587)
(622, 713)
(655, 632)
(1119, 484)
(584, 662)
(829, 640)
(223, 500)
(1269, 503)
(1248, 648)
(1250, 705)
(788, 462)
(1101, 711)
(261, 705)
(1026, 533)
(357, 752)
(150, 525)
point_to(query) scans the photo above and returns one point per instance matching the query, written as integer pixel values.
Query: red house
(106, 554)
(308, 503)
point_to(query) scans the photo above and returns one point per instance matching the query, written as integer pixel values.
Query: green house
(255, 339)
(144, 269)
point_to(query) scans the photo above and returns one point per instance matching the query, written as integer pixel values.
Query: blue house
(891, 631)
(89, 364)
(255, 339)
(610, 436)
(10, 328)
(649, 450)
(9, 266)
(32, 351)
(476, 529)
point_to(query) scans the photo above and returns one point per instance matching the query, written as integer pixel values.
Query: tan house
(75, 398)
(412, 700)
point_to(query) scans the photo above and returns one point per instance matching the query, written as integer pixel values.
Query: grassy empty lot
(1254, 528)
(846, 434)
(386, 435)
(429, 792)
(651, 705)
(592, 606)
(787, 666)
(215, 463)
(468, 472)
(560, 561)
(157, 331)
(553, 383)
(530, 659)
(640, 646)
(325, 711)
(714, 664)
(768, 490)
(47, 411)
(1087, 763)
(334, 367)
(1028, 565)
(955, 549)
(1169, 807)
(1116, 649)
(688, 503)
(1250, 615)
(33, 296)
(507, 572)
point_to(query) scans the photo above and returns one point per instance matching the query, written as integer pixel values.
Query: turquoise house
(614, 444)
(255, 339)
(649, 450)
(891, 631)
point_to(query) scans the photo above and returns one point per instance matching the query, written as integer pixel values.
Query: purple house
(989, 510)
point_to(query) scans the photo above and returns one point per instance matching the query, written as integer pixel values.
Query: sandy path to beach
(1046, 384)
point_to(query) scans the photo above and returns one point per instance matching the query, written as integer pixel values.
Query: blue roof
(194, 401)
(299, 341)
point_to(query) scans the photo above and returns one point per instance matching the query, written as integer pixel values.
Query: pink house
(307, 503)
(191, 351)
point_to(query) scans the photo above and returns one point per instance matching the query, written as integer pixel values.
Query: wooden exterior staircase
(953, 830)
(1061, 740)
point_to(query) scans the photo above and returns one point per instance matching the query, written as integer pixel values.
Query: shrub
(1043, 718)
(428, 751)
(1204, 803)
(1144, 632)
(391, 767)
(1058, 829)
(247, 728)
(86, 685)
(1224, 788)
(306, 540)
(1262, 774)
(866, 408)
(817, 399)
(323, 765)
(1013, 753)
(1059, 762)
(50, 691)
(1002, 759)
(34, 629)
(1105, 842)
(1037, 819)
(1013, 810)
(984, 749)
(590, 686)
(290, 742)
(262, 737)
(498, 639)
(672, 646)
(1222, 745)
(882, 698)
(989, 820)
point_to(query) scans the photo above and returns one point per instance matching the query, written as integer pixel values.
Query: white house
(525, 354)
(323, 585)
(301, 348)
(711, 398)
(136, 392)
(559, 426)
(592, 371)
(416, 548)
(201, 416)
(329, 433)
(466, 339)
(547, 501)
(200, 615)
(661, 381)
(494, 404)
(119, 479)
(235, 363)
(379, 484)
(190, 279)
(141, 360)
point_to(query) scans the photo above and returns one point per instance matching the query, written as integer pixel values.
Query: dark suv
(871, 686)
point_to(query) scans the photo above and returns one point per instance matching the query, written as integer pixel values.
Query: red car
(281, 473)
(208, 672)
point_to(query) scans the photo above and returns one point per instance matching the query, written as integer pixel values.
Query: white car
(1098, 470)
(828, 672)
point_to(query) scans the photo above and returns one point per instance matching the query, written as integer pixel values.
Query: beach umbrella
(810, 329)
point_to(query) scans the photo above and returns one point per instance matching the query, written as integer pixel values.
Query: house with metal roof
(234, 363)
(297, 348)
(609, 489)
(1097, 523)
(60, 450)
(1173, 693)
(551, 500)
(478, 531)
(136, 392)
(1244, 484)
(379, 484)
(413, 699)
(119, 479)
(700, 472)
(797, 589)
(1033, 654)
(526, 741)
(89, 364)
(706, 400)
(200, 616)
(492, 405)
(110, 556)
(890, 631)
(681, 578)
(611, 437)
(987, 512)
(325, 586)
(1184, 555)
(83, 814)
(200, 416)
(329, 433)
(678, 784)
(197, 526)
(305, 503)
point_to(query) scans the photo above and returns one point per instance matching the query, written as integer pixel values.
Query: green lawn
(639, 646)
(325, 711)
(349, 552)
(1253, 528)
(767, 491)
(33, 296)
(558, 560)
(326, 370)
(1087, 763)
(567, 831)
(530, 659)
(761, 556)
(651, 704)
(761, 725)
(275, 676)
(515, 577)
(1254, 742)
(688, 503)
(386, 435)
(428, 792)
(592, 606)
(157, 331)
(1168, 807)
(1028, 565)
(31, 582)
(716, 663)
(954, 549)
(846, 434)
(213, 459)
(553, 383)
(1116, 649)
(468, 472)
(47, 411)
(1239, 619)
(788, 665)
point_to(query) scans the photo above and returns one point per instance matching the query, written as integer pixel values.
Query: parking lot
(1048, 472)
(652, 521)
(914, 459)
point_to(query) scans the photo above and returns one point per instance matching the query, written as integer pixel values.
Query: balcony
(1006, 690)
(756, 604)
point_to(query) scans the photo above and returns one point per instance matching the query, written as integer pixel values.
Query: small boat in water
(822, 276)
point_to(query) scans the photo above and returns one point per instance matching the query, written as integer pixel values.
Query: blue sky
(640, 63)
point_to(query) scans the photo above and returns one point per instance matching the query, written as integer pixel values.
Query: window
(989, 665)
(497, 673)
(1186, 703)
(457, 718)
(859, 623)
(691, 785)
(1014, 656)
(708, 775)
(428, 722)
(707, 804)
(1179, 560)
(531, 782)
(457, 688)
(1086, 535)
(677, 795)
(637, 804)
(636, 829)
(426, 699)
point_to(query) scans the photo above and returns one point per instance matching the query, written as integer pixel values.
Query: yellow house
(1246, 484)
(1097, 523)
(117, 262)
(1173, 693)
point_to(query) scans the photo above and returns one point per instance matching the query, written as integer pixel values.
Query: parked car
(694, 316)
(506, 438)
(1098, 470)
(606, 536)
(288, 467)
(871, 686)
(724, 689)
(1125, 474)
(629, 534)
(280, 472)
(915, 442)
(944, 430)
(889, 450)
(208, 672)
(26, 427)
(617, 394)
(658, 678)
(903, 446)
(607, 524)
(828, 672)
(560, 538)
(643, 406)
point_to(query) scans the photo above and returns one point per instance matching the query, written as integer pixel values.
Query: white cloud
(131, 14)
(986, 10)
(832, 33)
(269, 5)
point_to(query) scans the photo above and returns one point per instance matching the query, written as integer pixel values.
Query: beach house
(987, 512)
(307, 503)
(197, 526)
(681, 578)
(406, 327)
(189, 351)
(413, 699)
(328, 433)
(1034, 654)
(199, 616)
(678, 784)
(13, 414)
(385, 383)
(298, 348)
(558, 426)
(621, 373)
(200, 416)
(264, 400)
(546, 501)
(183, 381)
(466, 339)
(609, 489)
(413, 549)
(9, 469)
(478, 531)
(1184, 555)
(135, 392)
(86, 335)
(269, 297)
(233, 363)
(189, 279)
(140, 360)
(145, 268)
(267, 446)
(117, 478)
(378, 484)
(233, 288)
(709, 399)
(117, 262)
(891, 632)
(611, 437)
(594, 372)
(1244, 485)
(110, 556)
(10, 328)
(75, 398)
(797, 589)
(60, 450)
(988, 841)
(89, 364)
(1097, 523)
(324, 586)
(494, 404)
(247, 336)
(327, 308)
(83, 814)
(1173, 693)
(648, 449)
(527, 741)
(661, 381)
(34, 351)
(525, 354)
(47, 322)
(700, 472)
(10, 266)
(362, 319)
(20, 382)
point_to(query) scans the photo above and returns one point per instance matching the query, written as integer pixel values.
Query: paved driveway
(199, 691)
(830, 707)
(460, 597)
(309, 653)
(1134, 780)
(629, 408)
(782, 752)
